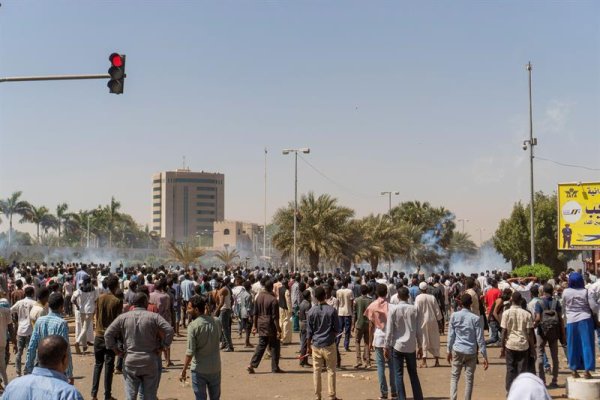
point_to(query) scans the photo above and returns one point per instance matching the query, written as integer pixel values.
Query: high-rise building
(186, 204)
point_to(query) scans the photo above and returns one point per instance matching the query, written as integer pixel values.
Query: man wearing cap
(429, 315)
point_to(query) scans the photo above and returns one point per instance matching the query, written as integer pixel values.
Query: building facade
(185, 204)
(242, 236)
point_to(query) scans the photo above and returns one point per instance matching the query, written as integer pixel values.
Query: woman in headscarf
(580, 327)
(527, 386)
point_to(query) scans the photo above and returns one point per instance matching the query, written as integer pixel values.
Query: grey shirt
(322, 325)
(403, 328)
(143, 334)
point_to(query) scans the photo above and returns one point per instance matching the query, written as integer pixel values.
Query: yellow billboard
(579, 216)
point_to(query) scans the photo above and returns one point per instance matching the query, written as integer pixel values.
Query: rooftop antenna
(184, 163)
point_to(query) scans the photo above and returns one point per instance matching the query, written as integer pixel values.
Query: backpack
(550, 324)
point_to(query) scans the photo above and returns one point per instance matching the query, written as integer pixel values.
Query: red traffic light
(116, 60)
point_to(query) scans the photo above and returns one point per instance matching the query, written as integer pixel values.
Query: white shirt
(345, 299)
(22, 309)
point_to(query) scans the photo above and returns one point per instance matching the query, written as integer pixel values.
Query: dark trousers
(517, 362)
(345, 324)
(494, 332)
(263, 342)
(106, 357)
(411, 367)
(225, 317)
(303, 347)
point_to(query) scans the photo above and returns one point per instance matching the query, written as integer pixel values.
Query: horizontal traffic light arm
(53, 78)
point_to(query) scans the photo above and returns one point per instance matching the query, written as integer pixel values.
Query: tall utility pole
(530, 143)
(389, 199)
(304, 150)
(463, 223)
(264, 250)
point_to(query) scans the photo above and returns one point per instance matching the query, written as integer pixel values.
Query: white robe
(429, 314)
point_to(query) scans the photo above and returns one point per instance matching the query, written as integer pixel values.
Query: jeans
(362, 334)
(345, 325)
(469, 362)
(411, 366)
(3, 366)
(142, 381)
(324, 356)
(553, 345)
(263, 342)
(225, 317)
(106, 357)
(517, 362)
(201, 383)
(494, 329)
(22, 344)
(380, 362)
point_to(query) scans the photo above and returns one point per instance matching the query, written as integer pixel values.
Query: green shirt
(360, 305)
(203, 341)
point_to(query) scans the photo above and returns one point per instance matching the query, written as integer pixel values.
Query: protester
(303, 309)
(403, 337)
(21, 310)
(580, 327)
(361, 328)
(518, 342)
(322, 329)
(266, 324)
(429, 315)
(464, 336)
(203, 338)
(377, 314)
(527, 386)
(345, 299)
(145, 335)
(84, 300)
(48, 379)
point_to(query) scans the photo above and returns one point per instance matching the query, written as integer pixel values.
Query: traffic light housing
(116, 84)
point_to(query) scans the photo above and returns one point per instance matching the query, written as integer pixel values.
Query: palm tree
(185, 253)
(12, 206)
(41, 217)
(62, 217)
(382, 239)
(320, 225)
(352, 249)
(461, 243)
(227, 256)
(113, 217)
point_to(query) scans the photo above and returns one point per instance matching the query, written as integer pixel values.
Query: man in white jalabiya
(429, 314)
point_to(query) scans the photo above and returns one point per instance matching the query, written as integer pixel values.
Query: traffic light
(117, 73)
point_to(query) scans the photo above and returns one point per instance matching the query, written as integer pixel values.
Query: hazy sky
(427, 98)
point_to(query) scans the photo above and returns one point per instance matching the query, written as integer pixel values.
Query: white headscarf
(527, 386)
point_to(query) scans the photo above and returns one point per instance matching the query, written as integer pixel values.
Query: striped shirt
(51, 324)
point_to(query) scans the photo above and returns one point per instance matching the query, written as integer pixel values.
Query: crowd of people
(129, 317)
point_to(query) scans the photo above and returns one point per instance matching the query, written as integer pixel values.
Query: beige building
(186, 204)
(242, 236)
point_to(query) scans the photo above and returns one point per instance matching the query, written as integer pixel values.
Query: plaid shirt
(51, 324)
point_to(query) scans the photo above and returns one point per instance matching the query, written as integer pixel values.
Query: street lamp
(463, 223)
(481, 230)
(390, 199)
(304, 150)
(88, 231)
(529, 144)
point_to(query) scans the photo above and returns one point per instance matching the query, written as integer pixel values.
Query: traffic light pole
(53, 78)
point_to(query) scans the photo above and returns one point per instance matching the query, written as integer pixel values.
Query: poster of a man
(566, 234)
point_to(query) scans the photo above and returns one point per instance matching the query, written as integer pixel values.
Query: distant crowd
(129, 317)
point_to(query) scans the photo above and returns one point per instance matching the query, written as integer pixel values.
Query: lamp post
(529, 144)
(463, 223)
(481, 230)
(88, 231)
(304, 150)
(390, 199)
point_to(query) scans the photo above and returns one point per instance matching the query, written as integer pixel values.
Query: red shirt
(490, 298)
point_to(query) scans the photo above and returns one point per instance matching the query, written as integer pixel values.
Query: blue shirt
(79, 276)
(323, 325)
(465, 333)
(413, 292)
(42, 383)
(51, 324)
(187, 289)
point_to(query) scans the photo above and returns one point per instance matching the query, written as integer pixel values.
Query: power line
(342, 187)
(568, 165)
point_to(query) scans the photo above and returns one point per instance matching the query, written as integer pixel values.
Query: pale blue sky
(428, 98)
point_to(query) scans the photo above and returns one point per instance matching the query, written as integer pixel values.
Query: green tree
(14, 206)
(381, 239)
(461, 243)
(41, 217)
(185, 253)
(227, 256)
(512, 238)
(113, 218)
(352, 247)
(62, 217)
(320, 225)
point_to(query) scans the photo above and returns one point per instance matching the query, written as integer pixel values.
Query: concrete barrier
(583, 389)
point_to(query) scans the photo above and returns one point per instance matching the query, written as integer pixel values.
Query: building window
(156, 181)
(156, 220)
(225, 231)
(205, 220)
(156, 196)
(206, 189)
(205, 196)
(156, 212)
(156, 204)
(238, 231)
(156, 189)
(205, 204)
(205, 212)
(195, 180)
(185, 210)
